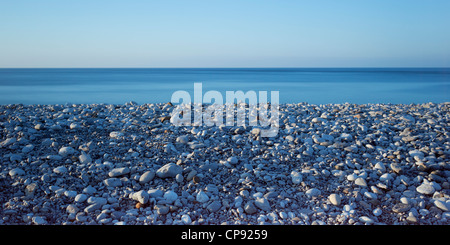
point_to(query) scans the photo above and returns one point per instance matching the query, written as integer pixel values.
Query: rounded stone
(169, 170)
(335, 199)
(401, 207)
(147, 177)
(426, 189)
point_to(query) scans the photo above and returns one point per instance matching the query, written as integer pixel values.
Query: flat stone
(335, 199)
(262, 204)
(71, 209)
(313, 192)
(296, 177)
(183, 139)
(425, 188)
(115, 134)
(117, 214)
(27, 148)
(70, 194)
(170, 196)
(411, 219)
(366, 219)
(113, 182)
(39, 220)
(169, 170)
(80, 197)
(97, 200)
(60, 170)
(162, 209)
(202, 197)
(8, 142)
(417, 153)
(84, 158)
(401, 207)
(119, 172)
(16, 171)
(214, 206)
(66, 150)
(250, 208)
(361, 182)
(91, 208)
(89, 190)
(147, 177)
(442, 205)
(154, 193)
(233, 160)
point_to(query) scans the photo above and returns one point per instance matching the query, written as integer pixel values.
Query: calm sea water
(155, 85)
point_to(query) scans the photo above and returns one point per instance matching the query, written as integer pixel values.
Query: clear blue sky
(216, 33)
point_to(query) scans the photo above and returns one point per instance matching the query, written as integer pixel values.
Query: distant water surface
(156, 85)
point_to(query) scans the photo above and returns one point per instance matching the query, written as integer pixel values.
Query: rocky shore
(127, 164)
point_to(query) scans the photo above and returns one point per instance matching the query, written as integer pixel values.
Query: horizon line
(262, 67)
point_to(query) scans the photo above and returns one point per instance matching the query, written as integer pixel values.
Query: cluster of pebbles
(127, 164)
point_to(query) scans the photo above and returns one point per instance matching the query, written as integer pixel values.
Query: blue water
(155, 85)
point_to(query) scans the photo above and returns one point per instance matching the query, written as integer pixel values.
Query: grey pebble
(169, 170)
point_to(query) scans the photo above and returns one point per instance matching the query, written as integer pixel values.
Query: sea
(157, 85)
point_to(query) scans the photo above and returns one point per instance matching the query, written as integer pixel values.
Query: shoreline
(123, 164)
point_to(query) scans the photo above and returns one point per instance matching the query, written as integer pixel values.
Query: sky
(243, 33)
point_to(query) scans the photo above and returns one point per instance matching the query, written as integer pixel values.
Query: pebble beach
(127, 164)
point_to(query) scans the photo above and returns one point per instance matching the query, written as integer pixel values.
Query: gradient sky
(244, 33)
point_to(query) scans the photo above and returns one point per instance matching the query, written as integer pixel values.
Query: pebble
(233, 160)
(425, 188)
(179, 178)
(366, 220)
(377, 212)
(71, 209)
(80, 197)
(296, 177)
(186, 219)
(170, 196)
(37, 220)
(16, 172)
(27, 149)
(387, 163)
(7, 142)
(162, 209)
(66, 151)
(250, 208)
(113, 182)
(143, 197)
(335, 199)
(169, 170)
(116, 135)
(91, 208)
(263, 204)
(313, 192)
(60, 170)
(361, 182)
(154, 193)
(70, 194)
(202, 197)
(183, 139)
(147, 177)
(214, 206)
(116, 172)
(84, 158)
(401, 207)
(444, 206)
